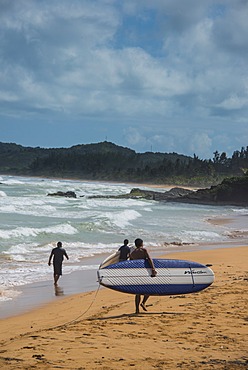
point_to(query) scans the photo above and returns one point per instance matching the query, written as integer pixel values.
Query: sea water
(31, 223)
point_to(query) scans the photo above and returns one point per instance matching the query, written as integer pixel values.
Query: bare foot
(143, 306)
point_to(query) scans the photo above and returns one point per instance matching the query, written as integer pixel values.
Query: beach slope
(98, 330)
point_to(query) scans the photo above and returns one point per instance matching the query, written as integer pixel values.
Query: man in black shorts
(137, 254)
(57, 254)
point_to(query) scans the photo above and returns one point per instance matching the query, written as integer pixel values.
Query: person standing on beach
(124, 251)
(57, 254)
(141, 253)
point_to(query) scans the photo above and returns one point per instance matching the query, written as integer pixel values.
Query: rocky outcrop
(169, 195)
(232, 191)
(67, 194)
(137, 193)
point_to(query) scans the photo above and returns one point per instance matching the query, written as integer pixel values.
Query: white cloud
(200, 144)
(134, 137)
(161, 67)
(234, 102)
(8, 96)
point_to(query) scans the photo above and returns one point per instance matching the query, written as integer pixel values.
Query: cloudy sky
(151, 75)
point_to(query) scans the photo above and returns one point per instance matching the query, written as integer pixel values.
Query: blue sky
(160, 75)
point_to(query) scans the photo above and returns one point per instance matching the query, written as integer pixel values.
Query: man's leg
(56, 278)
(137, 302)
(57, 271)
(143, 303)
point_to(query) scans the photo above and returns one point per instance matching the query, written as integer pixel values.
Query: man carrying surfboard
(138, 254)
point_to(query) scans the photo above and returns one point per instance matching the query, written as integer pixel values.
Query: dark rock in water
(169, 195)
(67, 194)
(137, 193)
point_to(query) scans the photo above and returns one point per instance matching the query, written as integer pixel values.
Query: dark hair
(126, 241)
(138, 242)
(59, 244)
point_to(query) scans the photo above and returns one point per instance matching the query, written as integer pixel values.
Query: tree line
(107, 161)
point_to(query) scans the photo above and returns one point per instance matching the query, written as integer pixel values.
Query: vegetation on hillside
(107, 161)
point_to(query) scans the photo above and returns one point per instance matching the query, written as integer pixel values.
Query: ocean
(31, 223)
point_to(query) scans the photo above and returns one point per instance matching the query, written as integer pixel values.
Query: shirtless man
(138, 254)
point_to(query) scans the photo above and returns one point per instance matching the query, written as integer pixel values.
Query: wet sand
(34, 295)
(98, 329)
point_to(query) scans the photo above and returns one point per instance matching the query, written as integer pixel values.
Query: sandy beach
(98, 329)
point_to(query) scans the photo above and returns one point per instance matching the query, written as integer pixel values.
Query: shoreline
(148, 185)
(34, 295)
(205, 330)
(38, 294)
(31, 296)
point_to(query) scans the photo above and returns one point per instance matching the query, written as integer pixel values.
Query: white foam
(2, 194)
(8, 294)
(8, 209)
(18, 232)
(25, 272)
(12, 181)
(26, 206)
(18, 249)
(121, 219)
(28, 231)
(79, 250)
(61, 229)
(241, 211)
(200, 236)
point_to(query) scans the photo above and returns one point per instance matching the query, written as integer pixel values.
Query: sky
(151, 75)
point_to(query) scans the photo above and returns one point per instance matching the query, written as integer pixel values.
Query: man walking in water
(141, 253)
(57, 254)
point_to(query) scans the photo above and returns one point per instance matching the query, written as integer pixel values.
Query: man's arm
(154, 272)
(50, 258)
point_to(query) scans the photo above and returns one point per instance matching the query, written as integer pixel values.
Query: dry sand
(98, 330)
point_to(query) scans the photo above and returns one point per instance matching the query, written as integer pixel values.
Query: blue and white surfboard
(173, 277)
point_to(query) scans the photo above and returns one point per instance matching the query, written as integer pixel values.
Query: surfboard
(113, 258)
(173, 277)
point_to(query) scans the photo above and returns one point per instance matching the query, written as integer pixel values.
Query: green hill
(107, 161)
